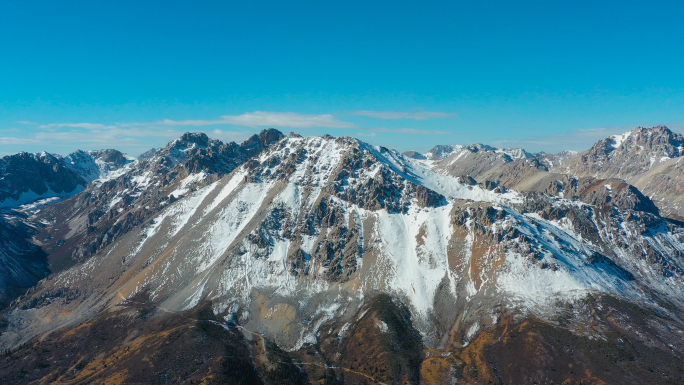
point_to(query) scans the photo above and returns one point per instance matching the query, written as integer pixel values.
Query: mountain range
(287, 259)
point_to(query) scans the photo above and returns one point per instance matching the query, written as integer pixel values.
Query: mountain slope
(22, 263)
(646, 159)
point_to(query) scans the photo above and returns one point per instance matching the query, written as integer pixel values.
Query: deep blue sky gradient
(540, 74)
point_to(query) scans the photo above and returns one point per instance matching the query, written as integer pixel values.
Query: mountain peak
(270, 136)
(198, 138)
(658, 138)
(257, 142)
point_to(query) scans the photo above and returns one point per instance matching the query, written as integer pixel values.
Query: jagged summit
(189, 139)
(648, 158)
(256, 143)
(414, 155)
(29, 177)
(657, 141)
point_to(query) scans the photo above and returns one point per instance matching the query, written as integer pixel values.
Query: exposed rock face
(645, 159)
(148, 153)
(133, 345)
(533, 175)
(474, 151)
(414, 155)
(308, 228)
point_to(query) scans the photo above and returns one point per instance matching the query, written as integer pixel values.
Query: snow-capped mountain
(27, 177)
(628, 155)
(645, 158)
(329, 259)
(648, 158)
(106, 210)
(100, 164)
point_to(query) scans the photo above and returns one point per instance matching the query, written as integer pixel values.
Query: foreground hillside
(329, 260)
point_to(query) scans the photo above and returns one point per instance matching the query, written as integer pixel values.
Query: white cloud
(87, 126)
(267, 119)
(137, 136)
(251, 119)
(18, 141)
(411, 131)
(108, 137)
(230, 136)
(392, 115)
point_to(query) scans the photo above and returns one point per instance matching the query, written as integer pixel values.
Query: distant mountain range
(289, 259)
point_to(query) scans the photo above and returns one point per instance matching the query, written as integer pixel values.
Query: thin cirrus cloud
(7, 140)
(410, 131)
(267, 119)
(134, 136)
(87, 126)
(394, 115)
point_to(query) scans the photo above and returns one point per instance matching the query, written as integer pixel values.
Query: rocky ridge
(106, 210)
(646, 159)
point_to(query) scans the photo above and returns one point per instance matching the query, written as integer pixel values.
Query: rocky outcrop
(475, 160)
(310, 228)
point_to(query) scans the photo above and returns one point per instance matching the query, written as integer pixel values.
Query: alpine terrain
(328, 260)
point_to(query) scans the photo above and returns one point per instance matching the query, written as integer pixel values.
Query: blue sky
(132, 75)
